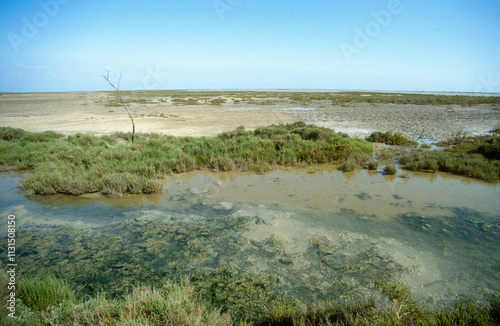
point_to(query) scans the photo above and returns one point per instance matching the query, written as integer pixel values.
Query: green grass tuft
(465, 312)
(40, 293)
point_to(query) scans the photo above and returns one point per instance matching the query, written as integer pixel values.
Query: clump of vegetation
(372, 165)
(476, 157)
(490, 148)
(349, 165)
(405, 175)
(457, 138)
(469, 312)
(425, 146)
(40, 293)
(81, 163)
(390, 139)
(15, 134)
(460, 142)
(389, 154)
(186, 101)
(471, 165)
(390, 169)
(245, 297)
(218, 101)
(266, 102)
(403, 308)
(11, 134)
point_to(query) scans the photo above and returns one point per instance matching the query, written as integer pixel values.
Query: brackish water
(316, 232)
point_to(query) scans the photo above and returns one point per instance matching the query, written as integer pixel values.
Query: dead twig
(121, 100)
(397, 309)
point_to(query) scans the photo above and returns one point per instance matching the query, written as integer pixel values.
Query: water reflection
(328, 189)
(87, 199)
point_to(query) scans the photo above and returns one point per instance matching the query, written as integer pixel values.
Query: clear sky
(411, 45)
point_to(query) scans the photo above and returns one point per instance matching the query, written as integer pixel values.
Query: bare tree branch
(121, 100)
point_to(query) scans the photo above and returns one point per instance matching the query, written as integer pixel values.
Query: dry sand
(86, 112)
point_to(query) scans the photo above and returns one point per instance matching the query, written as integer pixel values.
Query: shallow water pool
(319, 232)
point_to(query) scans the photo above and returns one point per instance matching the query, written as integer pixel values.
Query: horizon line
(272, 90)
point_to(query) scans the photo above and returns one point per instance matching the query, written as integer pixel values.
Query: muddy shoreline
(98, 113)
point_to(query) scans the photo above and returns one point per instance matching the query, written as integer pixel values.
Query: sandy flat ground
(89, 112)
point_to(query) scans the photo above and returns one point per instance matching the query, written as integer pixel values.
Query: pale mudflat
(99, 113)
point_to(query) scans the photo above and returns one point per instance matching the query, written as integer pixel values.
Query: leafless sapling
(117, 89)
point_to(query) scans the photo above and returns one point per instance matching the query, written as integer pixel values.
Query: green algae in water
(114, 257)
(148, 245)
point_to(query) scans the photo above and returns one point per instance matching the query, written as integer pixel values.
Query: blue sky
(410, 45)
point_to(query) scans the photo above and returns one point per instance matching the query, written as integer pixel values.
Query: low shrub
(390, 169)
(238, 132)
(468, 164)
(390, 138)
(39, 137)
(456, 138)
(218, 101)
(349, 165)
(11, 134)
(490, 148)
(188, 101)
(372, 165)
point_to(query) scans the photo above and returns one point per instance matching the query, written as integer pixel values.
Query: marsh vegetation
(275, 97)
(476, 157)
(81, 163)
(184, 302)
